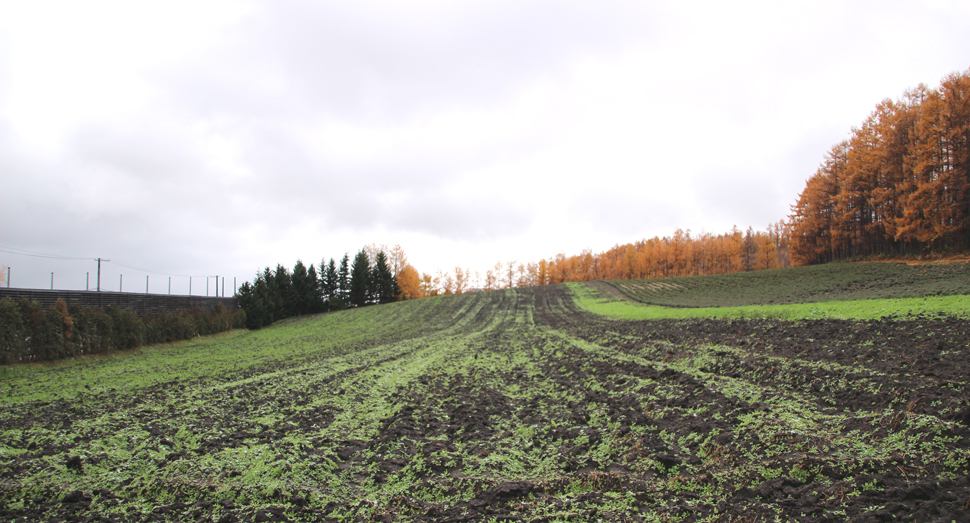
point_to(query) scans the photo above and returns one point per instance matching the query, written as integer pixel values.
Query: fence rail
(140, 303)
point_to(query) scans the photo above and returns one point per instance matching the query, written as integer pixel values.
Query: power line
(157, 272)
(23, 252)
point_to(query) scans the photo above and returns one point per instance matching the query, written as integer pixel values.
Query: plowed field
(501, 406)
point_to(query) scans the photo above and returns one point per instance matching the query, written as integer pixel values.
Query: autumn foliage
(899, 185)
(682, 254)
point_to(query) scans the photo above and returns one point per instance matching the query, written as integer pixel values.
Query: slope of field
(601, 298)
(816, 283)
(498, 406)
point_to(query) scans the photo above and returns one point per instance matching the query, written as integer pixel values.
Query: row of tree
(275, 295)
(31, 333)
(681, 254)
(899, 185)
(373, 277)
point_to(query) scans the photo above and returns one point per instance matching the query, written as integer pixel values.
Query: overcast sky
(218, 137)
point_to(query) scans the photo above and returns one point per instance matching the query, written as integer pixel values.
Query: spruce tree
(343, 279)
(272, 299)
(331, 286)
(360, 280)
(284, 290)
(254, 299)
(247, 302)
(384, 288)
(299, 281)
(314, 303)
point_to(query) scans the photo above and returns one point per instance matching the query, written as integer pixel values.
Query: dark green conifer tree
(273, 300)
(330, 288)
(303, 283)
(360, 280)
(298, 282)
(246, 301)
(384, 288)
(284, 289)
(254, 299)
(313, 291)
(344, 280)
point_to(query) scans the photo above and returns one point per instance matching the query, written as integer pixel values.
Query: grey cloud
(54, 205)
(366, 64)
(290, 183)
(143, 150)
(468, 219)
(347, 59)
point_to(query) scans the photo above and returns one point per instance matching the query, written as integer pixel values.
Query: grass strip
(592, 300)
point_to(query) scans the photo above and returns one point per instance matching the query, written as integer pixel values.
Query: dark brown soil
(917, 367)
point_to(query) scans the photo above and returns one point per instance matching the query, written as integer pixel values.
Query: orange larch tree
(409, 283)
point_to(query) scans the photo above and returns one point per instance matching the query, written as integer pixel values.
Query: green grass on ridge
(593, 300)
(811, 284)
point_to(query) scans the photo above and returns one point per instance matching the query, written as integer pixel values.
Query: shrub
(93, 330)
(55, 332)
(28, 332)
(13, 333)
(239, 319)
(33, 318)
(128, 328)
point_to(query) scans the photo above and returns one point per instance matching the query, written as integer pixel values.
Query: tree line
(30, 333)
(899, 185)
(682, 254)
(374, 277)
(282, 293)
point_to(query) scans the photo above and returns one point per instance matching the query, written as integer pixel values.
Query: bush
(93, 330)
(239, 319)
(33, 318)
(205, 320)
(55, 332)
(13, 333)
(167, 327)
(128, 328)
(28, 332)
